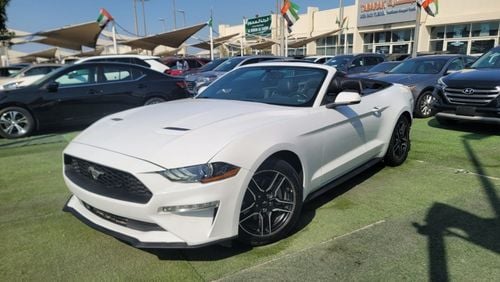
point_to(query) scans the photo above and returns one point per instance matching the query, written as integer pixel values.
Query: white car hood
(182, 132)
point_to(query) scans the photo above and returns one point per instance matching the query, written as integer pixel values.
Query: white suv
(151, 62)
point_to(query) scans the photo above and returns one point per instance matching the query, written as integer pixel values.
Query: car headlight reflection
(441, 84)
(203, 173)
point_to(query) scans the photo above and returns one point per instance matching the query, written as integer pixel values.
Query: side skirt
(338, 181)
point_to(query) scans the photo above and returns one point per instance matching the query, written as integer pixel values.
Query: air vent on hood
(177, 128)
(116, 119)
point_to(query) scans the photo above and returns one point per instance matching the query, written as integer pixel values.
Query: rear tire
(271, 205)
(400, 144)
(154, 100)
(16, 122)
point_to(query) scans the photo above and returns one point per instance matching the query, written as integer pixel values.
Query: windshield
(383, 67)
(211, 65)
(488, 60)
(277, 85)
(339, 61)
(229, 64)
(420, 66)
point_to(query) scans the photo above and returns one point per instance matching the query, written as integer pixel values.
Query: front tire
(400, 144)
(16, 122)
(424, 108)
(154, 100)
(271, 205)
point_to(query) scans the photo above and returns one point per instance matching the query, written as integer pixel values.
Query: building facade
(382, 26)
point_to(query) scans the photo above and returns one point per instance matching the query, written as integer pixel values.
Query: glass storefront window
(383, 49)
(481, 46)
(436, 45)
(437, 32)
(484, 29)
(368, 48)
(401, 35)
(400, 48)
(457, 31)
(331, 46)
(382, 37)
(457, 47)
(368, 38)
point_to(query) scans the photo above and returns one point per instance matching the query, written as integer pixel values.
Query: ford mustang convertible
(238, 160)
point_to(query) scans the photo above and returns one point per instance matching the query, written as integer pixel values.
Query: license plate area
(466, 111)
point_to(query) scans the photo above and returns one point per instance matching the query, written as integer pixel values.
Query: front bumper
(186, 228)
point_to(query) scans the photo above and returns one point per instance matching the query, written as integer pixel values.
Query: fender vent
(177, 128)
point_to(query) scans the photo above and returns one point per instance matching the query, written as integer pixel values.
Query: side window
(137, 73)
(380, 59)
(37, 71)
(469, 60)
(77, 76)
(371, 61)
(456, 64)
(265, 59)
(139, 62)
(193, 64)
(116, 73)
(250, 61)
(321, 61)
(358, 62)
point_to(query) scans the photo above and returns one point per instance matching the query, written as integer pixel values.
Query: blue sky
(39, 15)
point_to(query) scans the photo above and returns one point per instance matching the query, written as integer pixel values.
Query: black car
(421, 75)
(355, 63)
(81, 94)
(472, 94)
(384, 67)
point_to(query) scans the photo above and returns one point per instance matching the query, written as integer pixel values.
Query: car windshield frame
(484, 61)
(271, 78)
(411, 67)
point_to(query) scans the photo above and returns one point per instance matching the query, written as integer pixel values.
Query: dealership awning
(46, 54)
(302, 42)
(262, 45)
(172, 39)
(217, 42)
(72, 37)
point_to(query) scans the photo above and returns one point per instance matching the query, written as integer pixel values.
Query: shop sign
(378, 12)
(258, 26)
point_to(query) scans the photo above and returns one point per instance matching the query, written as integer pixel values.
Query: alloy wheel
(268, 204)
(425, 105)
(401, 138)
(14, 123)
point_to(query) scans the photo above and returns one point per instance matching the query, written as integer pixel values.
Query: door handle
(376, 109)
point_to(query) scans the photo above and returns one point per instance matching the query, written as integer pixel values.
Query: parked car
(16, 80)
(177, 66)
(152, 62)
(318, 59)
(82, 93)
(384, 67)
(421, 75)
(194, 82)
(355, 63)
(9, 71)
(472, 94)
(238, 160)
(206, 67)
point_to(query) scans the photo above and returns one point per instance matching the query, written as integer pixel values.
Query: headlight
(441, 83)
(203, 173)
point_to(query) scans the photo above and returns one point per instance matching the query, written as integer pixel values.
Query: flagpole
(286, 43)
(243, 38)
(211, 36)
(113, 30)
(417, 32)
(282, 32)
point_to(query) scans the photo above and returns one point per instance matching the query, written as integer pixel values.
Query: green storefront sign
(258, 26)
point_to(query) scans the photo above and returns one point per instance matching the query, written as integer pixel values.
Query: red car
(177, 66)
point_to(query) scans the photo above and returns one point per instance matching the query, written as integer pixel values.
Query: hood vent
(177, 128)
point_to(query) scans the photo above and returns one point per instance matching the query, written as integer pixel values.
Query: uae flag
(104, 18)
(430, 6)
(289, 12)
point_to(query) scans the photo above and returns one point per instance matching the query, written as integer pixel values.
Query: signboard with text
(258, 26)
(378, 12)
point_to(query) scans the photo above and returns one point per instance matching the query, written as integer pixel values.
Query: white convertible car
(239, 160)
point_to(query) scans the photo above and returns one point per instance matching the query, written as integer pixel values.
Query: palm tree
(3, 15)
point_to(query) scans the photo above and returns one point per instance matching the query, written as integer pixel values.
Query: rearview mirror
(345, 98)
(52, 86)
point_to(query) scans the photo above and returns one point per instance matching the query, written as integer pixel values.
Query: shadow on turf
(446, 221)
(470, 127)
(233, 248)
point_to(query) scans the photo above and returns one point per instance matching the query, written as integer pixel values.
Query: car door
(121, 88)
(349, 133)
(76, 99)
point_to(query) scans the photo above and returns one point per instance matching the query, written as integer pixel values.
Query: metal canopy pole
(416, 34)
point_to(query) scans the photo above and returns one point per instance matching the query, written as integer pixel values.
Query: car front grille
(106, 181)
(123, 221)
(471, 96)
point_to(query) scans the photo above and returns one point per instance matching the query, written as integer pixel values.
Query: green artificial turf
(383, 225)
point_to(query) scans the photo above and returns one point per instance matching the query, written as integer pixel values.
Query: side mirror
(202, 88)
(52, 86)
(450, 72)
(345, 98)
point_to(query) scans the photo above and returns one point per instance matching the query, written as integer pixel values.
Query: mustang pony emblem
(94, 172)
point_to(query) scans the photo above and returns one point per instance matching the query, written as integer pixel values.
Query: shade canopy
(172, 39)
(302, 42)
(262, 45)
(217, 42)
(46, 54)
(72, 37)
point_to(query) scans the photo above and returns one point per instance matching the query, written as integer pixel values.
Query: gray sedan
(421, 75)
